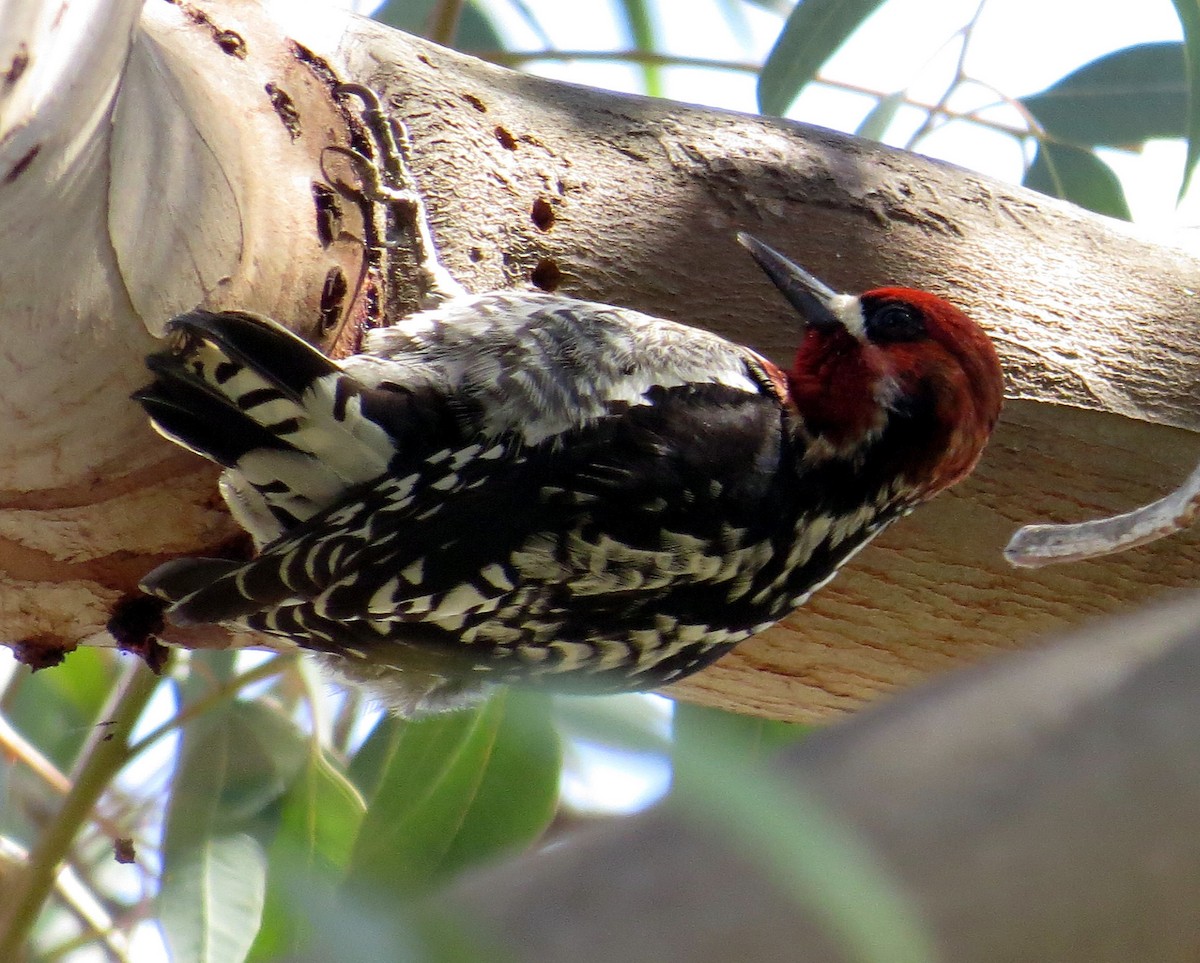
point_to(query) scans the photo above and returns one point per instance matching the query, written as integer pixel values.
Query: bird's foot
(386, 184)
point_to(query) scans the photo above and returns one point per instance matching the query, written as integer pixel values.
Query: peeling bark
(1037, 545)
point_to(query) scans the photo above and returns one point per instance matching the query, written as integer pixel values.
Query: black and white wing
(510, 481)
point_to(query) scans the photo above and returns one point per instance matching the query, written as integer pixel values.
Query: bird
(521, 487)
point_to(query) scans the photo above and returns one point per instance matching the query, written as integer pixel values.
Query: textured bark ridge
(214, 184)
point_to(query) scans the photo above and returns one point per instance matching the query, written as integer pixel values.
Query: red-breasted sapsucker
(529, 488)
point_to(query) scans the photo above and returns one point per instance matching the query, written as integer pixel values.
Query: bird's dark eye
(890, 321)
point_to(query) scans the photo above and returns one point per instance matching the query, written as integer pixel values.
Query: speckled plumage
(529, 488)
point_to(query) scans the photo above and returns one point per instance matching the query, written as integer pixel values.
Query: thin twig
(510, 58)
(102, 757)
(966, 31)
(19, 749)
(80, 899)
(266, 670)
(514, 58)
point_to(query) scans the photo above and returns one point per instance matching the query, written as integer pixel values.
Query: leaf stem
(217, 695)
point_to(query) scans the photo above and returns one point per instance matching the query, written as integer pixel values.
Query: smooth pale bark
(196, 185)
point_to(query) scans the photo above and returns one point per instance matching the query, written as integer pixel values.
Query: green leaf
(55, 709)
(369, 926)
(1119, 100)
(880, 117)
(812, 34)
(206, 669)
(733, 12)
(1079, 176)
(732, 788)
(781, 7)
(407, 15)
(751, 737)
(370, 763)
(323, 812)
(474, 32)
(458, 788)
(639, 22)
(1189, 18)
(211, 899)
(529, 18)
(518, 794)
(320, 818)
(85, 678)
(235, 762)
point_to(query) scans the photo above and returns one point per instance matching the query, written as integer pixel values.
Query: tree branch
(213, 183)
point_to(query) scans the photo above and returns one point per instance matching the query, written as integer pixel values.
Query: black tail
(206, 392)
(248, 394)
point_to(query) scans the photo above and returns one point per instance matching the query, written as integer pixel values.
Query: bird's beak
(814, 300)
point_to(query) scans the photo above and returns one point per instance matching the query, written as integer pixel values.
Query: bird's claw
(387, 185)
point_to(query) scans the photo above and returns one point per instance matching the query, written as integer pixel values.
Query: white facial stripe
(848, 309)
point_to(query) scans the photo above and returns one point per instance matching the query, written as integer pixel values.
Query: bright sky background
(1018, 47)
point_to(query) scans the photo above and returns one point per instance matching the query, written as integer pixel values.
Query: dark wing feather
(651, 479)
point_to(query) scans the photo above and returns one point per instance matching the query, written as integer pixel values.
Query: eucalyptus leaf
(639, 22)
(751, 737)
(456, 789)
(235, 762)
(211, 900)
(85, 678)
(733, 12)
(55, 710)
(812, 34)
(1079, 176)
(518, 795)
(1189, 18)
(322, 813)
(475, 30)
(370, 763)
(731, 788)
(320, 818)
(879, 118)
(781, 7)
(1121, 99)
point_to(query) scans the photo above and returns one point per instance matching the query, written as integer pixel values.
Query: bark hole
(542, 214)
(231, 43)
(329, 213)
(546, 275)
(507, 141)
(333, 296)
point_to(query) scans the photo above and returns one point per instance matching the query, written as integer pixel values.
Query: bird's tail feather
(285, 421)
(178, 580)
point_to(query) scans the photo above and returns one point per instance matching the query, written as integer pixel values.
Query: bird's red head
(890, 360)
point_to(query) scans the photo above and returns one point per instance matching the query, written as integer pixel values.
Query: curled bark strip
(1036, 545)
